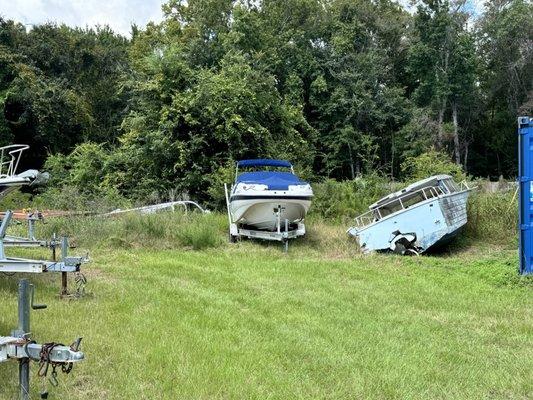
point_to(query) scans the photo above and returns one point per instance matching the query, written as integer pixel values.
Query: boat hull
(265, 211)
(430, 224)
(9, 184)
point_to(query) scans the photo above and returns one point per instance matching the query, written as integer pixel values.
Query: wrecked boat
(418, 218)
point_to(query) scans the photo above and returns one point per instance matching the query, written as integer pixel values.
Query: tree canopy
(339, 87)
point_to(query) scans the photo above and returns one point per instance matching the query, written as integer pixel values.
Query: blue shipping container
(525, 178)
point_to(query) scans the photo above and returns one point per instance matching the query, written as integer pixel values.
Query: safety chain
(81, 282)
(45, 362)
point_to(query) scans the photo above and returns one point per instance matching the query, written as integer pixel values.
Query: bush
(69, 198)
(15, 200)
(217, 179)
(342, 201)
(84, 168)
(431, 163)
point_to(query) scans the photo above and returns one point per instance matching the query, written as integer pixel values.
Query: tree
(442, 63)
(357, 98)
(504, 35)
(340, 87)
(60, 86)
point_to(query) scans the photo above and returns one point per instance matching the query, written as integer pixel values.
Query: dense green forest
(339, 87)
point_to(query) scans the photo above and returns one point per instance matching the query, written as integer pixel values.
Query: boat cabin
(413, 194)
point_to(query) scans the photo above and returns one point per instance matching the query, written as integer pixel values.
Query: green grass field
(246, 321)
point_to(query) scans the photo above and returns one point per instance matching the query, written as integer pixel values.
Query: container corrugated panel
(525, 176)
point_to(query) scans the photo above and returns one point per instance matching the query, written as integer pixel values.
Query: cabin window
(454, 186)
(450, 185)
(413, 199)
(390, 208)
(431, 192)
(418, 196)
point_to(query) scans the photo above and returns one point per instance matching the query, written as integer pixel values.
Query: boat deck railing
(10, 158)
(378, 213)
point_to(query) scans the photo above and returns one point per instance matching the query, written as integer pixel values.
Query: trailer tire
(399, 248)
(411, 252)
(232, 238)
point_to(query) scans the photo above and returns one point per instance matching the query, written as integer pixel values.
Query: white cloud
(118, 14)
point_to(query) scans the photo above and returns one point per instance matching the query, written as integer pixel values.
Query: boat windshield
(258, 166)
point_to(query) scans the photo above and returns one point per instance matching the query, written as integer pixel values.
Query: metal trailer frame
(9, 265)
(21, 348)
(158, 207)
(283, 233)
(525, 178)
(30, 240)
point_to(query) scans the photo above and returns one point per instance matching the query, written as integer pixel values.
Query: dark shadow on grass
(454, 247)
(265, 244)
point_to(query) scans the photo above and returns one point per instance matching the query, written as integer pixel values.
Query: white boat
(423, 216)
(271, 199)
(9, 178)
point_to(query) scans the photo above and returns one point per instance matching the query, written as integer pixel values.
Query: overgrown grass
(131, 230)
(493, 218)
(247, 321)
(174, 312)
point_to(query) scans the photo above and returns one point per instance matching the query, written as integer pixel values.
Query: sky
(118, 14)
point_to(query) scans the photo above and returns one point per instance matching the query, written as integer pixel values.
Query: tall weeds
(161, 230)
(342, 201)
(493, 217)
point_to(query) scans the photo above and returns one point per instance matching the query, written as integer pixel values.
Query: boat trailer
(283, 233)
(66, 264)
(30, 241)
(20, 347)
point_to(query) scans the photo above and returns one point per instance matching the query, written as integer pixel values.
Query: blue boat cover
(263, 162)
(273, 179)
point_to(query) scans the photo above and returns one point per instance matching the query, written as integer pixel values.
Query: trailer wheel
(411, 252)
(399, 248)
(232, 238)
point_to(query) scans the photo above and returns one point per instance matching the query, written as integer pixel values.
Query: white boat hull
(26, 178)
(11, 183)
(265, 212)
